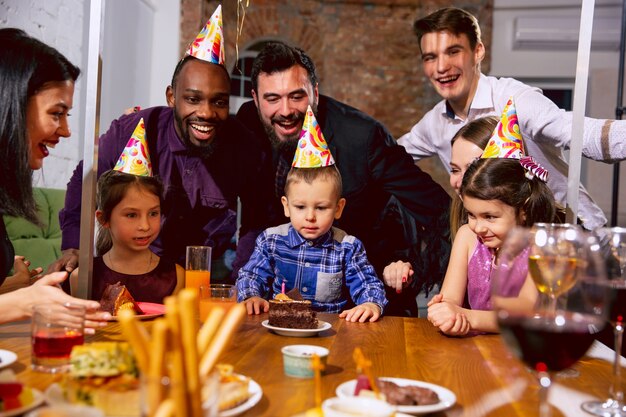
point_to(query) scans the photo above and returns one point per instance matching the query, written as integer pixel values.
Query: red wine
(58, 346)
(617, 300)
(540, 340)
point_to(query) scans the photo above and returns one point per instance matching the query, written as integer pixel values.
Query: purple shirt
(199, 204)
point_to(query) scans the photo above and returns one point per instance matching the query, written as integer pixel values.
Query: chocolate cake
(116, 297)
(407, 395)
(289, 312)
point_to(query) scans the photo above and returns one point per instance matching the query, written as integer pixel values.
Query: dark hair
(505, 180)
(26, 66)
(309, 175)
(478, 132)
(187, 58)
(451, 19)
(112, 188)
(278, 57)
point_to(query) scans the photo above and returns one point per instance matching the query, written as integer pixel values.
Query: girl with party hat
(501, 190)
(325, 264)
(128, 211)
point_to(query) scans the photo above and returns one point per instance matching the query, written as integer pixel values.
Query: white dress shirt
(546, 130)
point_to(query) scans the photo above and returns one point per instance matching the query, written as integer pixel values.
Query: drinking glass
(550, 338)
(55, 330)
(613, 242)
(223, 295)
(198, 267)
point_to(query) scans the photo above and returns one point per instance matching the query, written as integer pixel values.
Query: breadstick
(166, 409)
(223, 335)
(208, 329)
(188, 303)
(156, 371)
(178, 389)
(137, 336)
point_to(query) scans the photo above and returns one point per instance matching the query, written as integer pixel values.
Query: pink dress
(479, 271)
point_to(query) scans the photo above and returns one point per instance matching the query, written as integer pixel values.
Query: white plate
(37, 400)
(54, 396)
(283, 331)
(6, 358)
(446, 397)
(255, 396)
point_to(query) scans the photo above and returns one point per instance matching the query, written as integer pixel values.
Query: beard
(205, 152)
(287, 146)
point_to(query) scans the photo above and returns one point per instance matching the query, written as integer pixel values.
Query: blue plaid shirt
(326, 270)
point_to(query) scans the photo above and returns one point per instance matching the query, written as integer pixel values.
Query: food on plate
(104, 375)
(234, 388)
(13, 394)
(291, 311)
(395, 394)
(116, 297)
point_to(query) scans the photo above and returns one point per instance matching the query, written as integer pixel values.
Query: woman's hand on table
(256, 305)
(397, 275)
(46, 288)
(362, 313)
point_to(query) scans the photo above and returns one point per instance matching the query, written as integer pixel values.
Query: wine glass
(549, 338)
(613, 242)
(552, 260)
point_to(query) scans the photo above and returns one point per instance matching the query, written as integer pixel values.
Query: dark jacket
(378, 174)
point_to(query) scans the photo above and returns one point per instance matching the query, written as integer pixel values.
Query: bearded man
(387, 195)
(206, 160)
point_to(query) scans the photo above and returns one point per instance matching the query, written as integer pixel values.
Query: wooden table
(479, 370)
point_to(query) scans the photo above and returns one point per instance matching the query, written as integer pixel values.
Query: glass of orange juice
(198, 267)
(223, 295)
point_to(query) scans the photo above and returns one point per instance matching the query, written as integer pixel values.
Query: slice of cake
(116, 297)
(289, 312)
(234, 388)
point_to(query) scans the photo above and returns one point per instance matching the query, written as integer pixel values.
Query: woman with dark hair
(36, 94)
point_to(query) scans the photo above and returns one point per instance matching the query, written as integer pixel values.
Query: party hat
(135, 158)
(312, 150)
(209, 44)
(506, 140)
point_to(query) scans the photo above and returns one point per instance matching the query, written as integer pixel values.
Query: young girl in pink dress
(501, 190)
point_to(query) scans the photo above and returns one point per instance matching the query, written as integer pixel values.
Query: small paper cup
(356, 406)
(297, 359)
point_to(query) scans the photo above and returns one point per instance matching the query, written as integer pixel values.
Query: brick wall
(365, 51)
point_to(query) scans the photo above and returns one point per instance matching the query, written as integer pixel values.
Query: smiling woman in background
(36, 94)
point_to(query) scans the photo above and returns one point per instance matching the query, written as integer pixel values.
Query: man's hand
(397, 275)
(256, 305)
(362, 313)
(67, 262)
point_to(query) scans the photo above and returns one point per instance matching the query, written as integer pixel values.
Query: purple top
(150, 287)
(199, 204)
(479, 270)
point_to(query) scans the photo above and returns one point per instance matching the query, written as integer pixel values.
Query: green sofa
(40, 245)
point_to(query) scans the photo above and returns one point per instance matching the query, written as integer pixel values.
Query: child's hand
(448, 317)
(436, 299)
(256, 305)
(398, 274)
(361, 313)
(460, 326)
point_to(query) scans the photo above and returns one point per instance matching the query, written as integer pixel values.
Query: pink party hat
(135, 158)
(506, 140)
(209, 44)
(312, 150)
